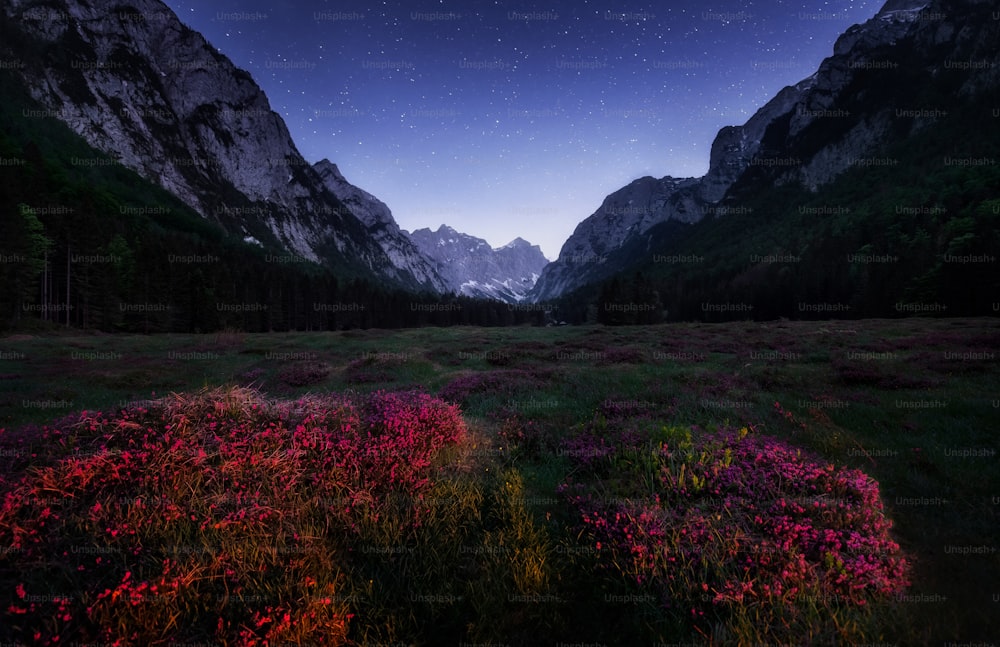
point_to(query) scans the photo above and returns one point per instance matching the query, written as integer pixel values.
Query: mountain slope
(382, 227)
(97, 247)
(472, 268)
(808, 134)
(137, 84)
(891, 208)
(587, 255)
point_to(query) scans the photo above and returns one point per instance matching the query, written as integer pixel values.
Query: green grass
(850, 389)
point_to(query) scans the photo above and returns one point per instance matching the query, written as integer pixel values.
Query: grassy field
(512, 553)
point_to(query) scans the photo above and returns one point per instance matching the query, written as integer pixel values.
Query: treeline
(93, 268)
(97, 247)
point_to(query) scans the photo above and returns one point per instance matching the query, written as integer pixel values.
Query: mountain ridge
(741, 151)
(138, 84)
(381, 225)
(472, 267)
(875, 198)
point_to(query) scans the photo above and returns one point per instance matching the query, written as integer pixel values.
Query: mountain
(136, 83)
(807, 135)
(444, 261)
(97, 247)
(472, 268)
(866, 190)
(586, 256)
(382, 227)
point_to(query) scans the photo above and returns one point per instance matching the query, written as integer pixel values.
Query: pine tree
(22, 258)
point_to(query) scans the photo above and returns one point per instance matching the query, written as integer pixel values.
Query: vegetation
(735, 483)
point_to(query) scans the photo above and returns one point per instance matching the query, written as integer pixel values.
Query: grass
(483, 526)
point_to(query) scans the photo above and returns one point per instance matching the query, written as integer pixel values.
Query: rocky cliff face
(472, 268)
(588, 255)
(136, 83)
(807, 134)
(862, 48)
(382, 227)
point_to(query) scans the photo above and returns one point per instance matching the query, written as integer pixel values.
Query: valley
(240, 405)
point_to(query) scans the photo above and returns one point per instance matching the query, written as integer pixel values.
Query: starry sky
(505, 119)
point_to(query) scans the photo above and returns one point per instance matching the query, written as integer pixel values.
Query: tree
(23, 257)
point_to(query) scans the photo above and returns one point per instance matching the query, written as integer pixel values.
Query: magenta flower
(772, 521)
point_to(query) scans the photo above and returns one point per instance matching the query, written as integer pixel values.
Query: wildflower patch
(730, 519)
(220, 514)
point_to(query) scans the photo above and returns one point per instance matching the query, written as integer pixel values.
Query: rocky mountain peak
(473, 268)
(518, 243)
(366, 207)
(892, 6)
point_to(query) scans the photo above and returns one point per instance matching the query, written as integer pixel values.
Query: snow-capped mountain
(472, 268)
(446, 260)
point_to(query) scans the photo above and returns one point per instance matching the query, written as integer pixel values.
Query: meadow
(779, 482)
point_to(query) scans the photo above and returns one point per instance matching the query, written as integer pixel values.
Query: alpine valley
(866, 189)
(241, 406)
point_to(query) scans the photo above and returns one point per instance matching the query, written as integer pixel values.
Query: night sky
(506, 119)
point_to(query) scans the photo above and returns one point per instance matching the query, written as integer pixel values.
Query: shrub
(217, 516)
(736, 520)
(498, 382)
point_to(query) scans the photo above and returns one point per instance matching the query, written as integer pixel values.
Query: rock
(472, 268)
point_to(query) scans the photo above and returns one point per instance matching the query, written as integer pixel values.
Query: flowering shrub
(405, 431)
(606, 447)
(735, 518)
(219, 514)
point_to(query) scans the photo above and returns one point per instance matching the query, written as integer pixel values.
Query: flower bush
(218, 515)
(735, 519)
